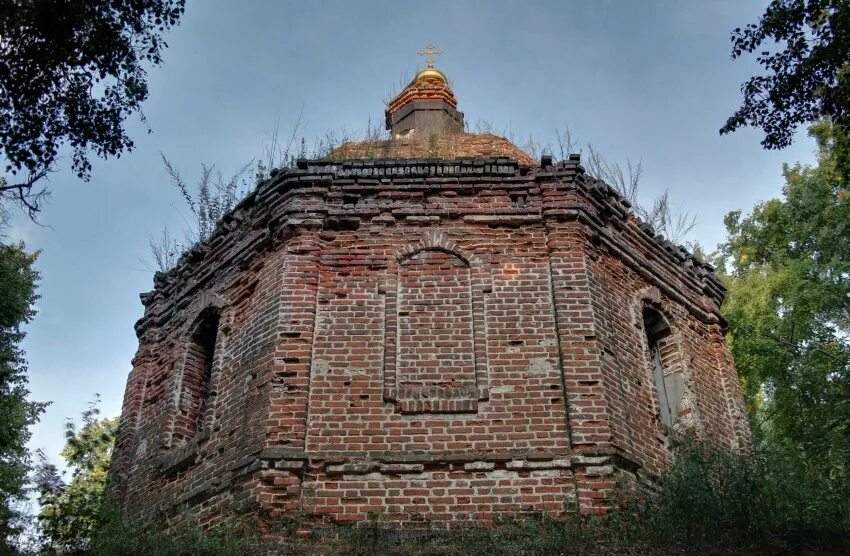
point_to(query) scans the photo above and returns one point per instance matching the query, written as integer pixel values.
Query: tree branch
(23, 193)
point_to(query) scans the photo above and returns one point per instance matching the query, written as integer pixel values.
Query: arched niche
(199, 362)
(435, 357)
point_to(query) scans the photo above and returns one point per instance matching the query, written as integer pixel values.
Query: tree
(17, 413)
(71, 513)
(805, 47)
(71, 72)
(789, 308)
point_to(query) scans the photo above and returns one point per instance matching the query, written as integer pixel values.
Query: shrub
(711, 500)
(119, 535)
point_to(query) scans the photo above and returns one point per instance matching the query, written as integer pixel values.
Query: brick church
(434, 327)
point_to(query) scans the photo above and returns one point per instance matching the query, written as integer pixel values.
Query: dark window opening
(661, 357)
(197, 374)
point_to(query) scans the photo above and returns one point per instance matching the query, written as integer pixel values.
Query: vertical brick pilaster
(286, 422)
(740, 436)
(290, 376)
(126, 443)
(590, 432)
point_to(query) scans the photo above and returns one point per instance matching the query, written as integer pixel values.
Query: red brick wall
(430, 341)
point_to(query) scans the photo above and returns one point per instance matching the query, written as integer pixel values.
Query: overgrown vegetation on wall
(213, 195)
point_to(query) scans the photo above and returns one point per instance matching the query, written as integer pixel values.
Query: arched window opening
(197, 373)
(664, 359)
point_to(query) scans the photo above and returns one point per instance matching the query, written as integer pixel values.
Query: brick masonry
(453, 145)
(433, 340)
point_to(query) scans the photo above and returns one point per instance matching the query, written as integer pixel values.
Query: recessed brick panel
(435, 335)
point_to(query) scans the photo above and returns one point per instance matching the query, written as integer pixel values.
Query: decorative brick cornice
(317, 192)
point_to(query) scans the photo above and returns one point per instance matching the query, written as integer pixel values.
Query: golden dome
(431, 73)
(429, 83)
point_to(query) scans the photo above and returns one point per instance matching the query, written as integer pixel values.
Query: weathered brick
(431, 339)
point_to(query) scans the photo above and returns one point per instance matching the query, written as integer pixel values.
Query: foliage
(709, 502)
(789, 309)
(212, 198)
(71, 513)
(712, 501)
(804, 46)
(17, 295)
(71, 73)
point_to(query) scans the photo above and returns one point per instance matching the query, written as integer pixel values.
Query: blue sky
(651, 81)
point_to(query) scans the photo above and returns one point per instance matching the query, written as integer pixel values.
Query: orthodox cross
(430, 51)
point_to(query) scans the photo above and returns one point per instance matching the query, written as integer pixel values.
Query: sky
(648, 81)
